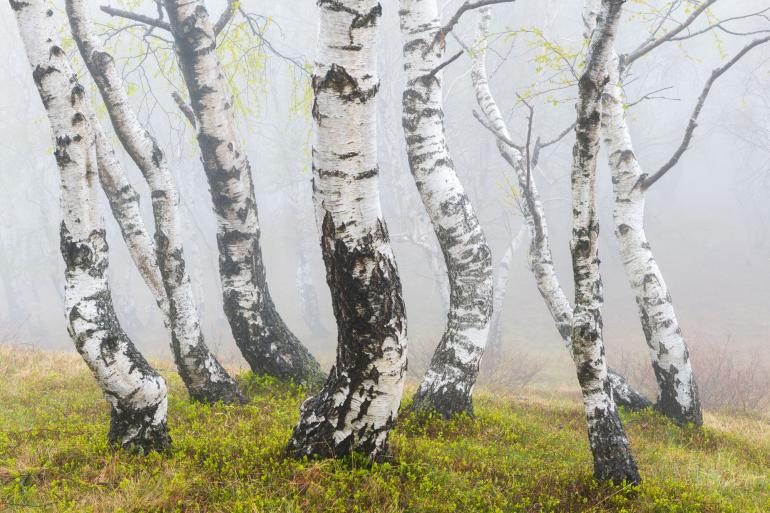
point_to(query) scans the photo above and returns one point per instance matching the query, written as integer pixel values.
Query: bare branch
(541, 145)
(225, 17)
(486, 124)
(256, 32)
(652, 95)
(649, 46)
(185, 108)
(445, 63)
(141, 18)
(158, 22)
(465, 7)
(528, 144)
(688, 133)
(720, 25)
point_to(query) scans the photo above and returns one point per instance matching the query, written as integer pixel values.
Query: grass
(522, 453)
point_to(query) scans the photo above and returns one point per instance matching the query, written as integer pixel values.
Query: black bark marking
(365, 305)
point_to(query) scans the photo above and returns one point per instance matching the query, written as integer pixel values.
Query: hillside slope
(524, 453)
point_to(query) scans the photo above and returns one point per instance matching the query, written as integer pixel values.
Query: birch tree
(136, 393)
(607, 438)
(449, 380)
(205, 378)
(262, 336)
(359, 403)
(522, 161)
(678, 393)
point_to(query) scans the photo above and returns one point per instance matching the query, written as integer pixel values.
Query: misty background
(708, 220)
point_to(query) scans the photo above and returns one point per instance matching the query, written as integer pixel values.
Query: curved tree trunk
(359, 403)
(611, 451)
(448, 383)
(135, 391)
(265, 341)
(540, 256)
(124, 204)
(678, 392)
(205, 378)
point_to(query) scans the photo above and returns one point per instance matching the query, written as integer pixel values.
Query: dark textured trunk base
(256, 343)
(673, 410)
(135, 432)
(313, 437)
(225, 392)
(448, 401)
(613, 461)
(625, 395)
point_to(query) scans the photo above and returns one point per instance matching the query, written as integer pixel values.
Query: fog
(708, 219)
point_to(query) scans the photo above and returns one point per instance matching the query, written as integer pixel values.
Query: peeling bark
(449, 380)
(359, 403)
(540, 256)
(204, 376)
(678, 393)
(613, 460)
(263, 338)
(136, 392)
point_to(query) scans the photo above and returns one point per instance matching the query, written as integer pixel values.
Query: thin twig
(649, 46)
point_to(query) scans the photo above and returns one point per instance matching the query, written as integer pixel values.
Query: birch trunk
(135, 391)
(611, 451)
(265, 341)
(359, 403)
(449, 380)
(540, 256)
(124, 204)
(678, 393)
(206, 380)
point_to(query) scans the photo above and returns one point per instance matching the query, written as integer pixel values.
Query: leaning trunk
(205, 378)
(449, 381)
(135, 391)
(540, 256)
(265, 341)
(359, 403)
(678, 393)
(607, 438)
(124, 204)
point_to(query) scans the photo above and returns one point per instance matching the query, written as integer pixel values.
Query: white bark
(540, 256)
(449, 380)
(611, 451)
(124, 203)
(678, 392)
(205, 378)
(265, 341)
(135, 391)
(359, 402)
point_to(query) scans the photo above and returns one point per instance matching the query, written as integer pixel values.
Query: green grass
(522, 453)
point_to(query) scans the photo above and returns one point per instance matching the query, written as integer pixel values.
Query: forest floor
(525, 452)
